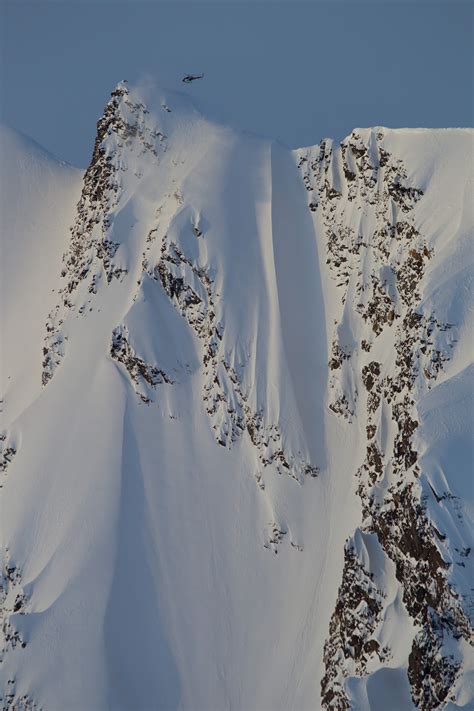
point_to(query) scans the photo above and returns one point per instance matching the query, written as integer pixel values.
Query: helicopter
(192, 77)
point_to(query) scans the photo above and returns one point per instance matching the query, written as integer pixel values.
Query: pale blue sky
(295, 71)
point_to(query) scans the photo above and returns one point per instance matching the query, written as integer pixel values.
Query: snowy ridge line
(125, 126)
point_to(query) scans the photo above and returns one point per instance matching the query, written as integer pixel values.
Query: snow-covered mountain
(236, 430)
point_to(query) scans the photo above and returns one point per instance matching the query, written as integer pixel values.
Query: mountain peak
(237, 472)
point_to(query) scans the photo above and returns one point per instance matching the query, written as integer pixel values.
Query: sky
(290, 70)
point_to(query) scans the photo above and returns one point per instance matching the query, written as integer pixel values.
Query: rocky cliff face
(388, 349)
(245, 355)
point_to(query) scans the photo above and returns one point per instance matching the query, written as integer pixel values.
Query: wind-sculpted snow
(191, 288)
(241, 476)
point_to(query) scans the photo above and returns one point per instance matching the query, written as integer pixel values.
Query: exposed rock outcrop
(362, 197)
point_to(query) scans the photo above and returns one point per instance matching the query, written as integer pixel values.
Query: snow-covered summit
(236, 434)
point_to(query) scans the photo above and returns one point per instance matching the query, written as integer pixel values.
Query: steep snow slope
(198, 511)
(38, 199)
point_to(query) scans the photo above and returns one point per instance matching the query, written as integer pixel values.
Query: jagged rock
(12, 601)
(141, 373)
(385, 272)
(7, 453)
(351, 642)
